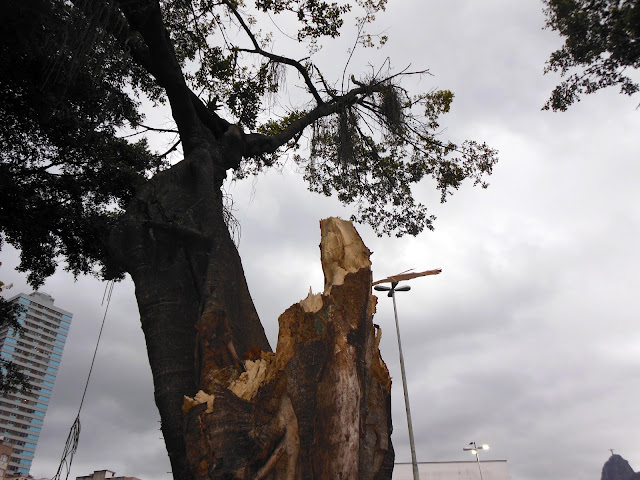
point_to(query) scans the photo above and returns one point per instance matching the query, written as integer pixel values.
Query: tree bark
(318, 408)
(197, 314)
(201, 326)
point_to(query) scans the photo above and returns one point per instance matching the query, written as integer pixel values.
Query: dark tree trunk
(197, 314)
(323, 411)
(319, 408)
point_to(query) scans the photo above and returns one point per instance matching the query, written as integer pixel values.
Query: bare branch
(150, 129)
(271, 56)
(330, 91)
(353, 50)
(407, 276)
(172, 149)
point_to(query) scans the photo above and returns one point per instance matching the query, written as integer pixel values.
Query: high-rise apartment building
(38, 350)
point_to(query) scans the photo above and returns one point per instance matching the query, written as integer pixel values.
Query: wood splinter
(319, 408)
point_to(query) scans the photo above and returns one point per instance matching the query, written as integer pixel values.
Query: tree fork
(320, 406)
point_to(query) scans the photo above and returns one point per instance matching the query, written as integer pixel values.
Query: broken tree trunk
(317, 408)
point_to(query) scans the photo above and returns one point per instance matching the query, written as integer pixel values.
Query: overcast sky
(530, 338)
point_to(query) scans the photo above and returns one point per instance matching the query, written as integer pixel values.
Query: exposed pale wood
(319, 408)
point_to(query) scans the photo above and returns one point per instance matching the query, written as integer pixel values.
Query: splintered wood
(319, 408)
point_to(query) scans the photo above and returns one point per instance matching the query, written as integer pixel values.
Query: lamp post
(393, 280)
(474, 449)
(392, 294)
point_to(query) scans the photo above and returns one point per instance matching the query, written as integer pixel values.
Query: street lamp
(393, 280)
(474, 450)
(392, 294)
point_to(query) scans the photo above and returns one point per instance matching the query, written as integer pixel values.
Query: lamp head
(381, 288)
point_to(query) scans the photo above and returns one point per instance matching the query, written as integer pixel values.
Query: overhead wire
(73, 438)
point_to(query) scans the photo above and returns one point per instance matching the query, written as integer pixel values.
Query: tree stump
(317, 408)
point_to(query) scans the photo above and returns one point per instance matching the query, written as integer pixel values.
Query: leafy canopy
(602, 40)
(64, 170)
(74, 146)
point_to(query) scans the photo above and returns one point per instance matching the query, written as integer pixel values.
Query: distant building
(39, 352)
(5, 454)
(104, 475)
(466, 470)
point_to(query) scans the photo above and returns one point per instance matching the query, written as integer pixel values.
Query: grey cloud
(527, 341)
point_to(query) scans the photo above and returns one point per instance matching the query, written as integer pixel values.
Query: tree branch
(160, 60)
(127, 36)
(258, 144)
(271, 56)
(150, 129)
(330, 91)
(172, 149)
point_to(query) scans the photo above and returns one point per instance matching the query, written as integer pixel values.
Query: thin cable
(74, 434)
(69, 449)
(95, 352)
(106, 287)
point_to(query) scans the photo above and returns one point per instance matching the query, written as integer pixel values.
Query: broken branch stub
(320, 406)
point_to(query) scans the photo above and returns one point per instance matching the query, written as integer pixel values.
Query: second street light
(474, 449)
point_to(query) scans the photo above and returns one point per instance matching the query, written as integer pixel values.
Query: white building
(105, 475)
(466, 470)
(39, 352)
